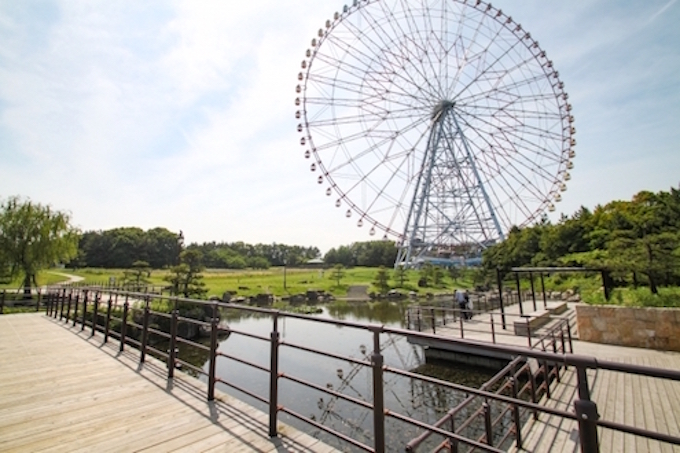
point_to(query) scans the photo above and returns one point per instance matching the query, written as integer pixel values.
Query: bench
(557, 308)
(531, 321)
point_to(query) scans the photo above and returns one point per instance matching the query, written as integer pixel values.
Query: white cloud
(181, 114)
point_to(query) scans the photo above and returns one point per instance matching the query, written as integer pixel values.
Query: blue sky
(180, 114)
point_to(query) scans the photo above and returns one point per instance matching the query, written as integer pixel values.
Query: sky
(180, 114)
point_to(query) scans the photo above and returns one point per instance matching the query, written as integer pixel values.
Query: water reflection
(410, 397)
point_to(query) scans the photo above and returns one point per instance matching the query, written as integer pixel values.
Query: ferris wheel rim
(329, 173)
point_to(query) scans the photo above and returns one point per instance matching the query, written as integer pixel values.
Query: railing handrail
(585, 409)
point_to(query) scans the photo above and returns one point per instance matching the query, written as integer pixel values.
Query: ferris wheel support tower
(450, 205)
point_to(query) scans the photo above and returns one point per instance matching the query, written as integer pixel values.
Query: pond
(410, 397)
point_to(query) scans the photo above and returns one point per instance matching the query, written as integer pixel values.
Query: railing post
(500, 297)
(82, 323)
(519, 295)
(76, 302)
(37, 305)
(546, 378)
(60, 307)
(460, 318)
(515, 413)
(274, 377)
(493, 329)
(533, 292)
(420, 318)
(172, 355)
(545, 300)
(145, 330)
(586, 413)
(453, 442)
(213, 355)
(48, 307)
(107, 326)
(487, 423)
(123, 325)
(532, 386)
(434, 320)
(378, 395)
(571, 345)
(2, 303)
(95, 313)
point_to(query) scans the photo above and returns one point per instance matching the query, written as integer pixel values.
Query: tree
(137, 275)
(437, 276)
(455, 273)
(381, 280)
(186, 278)
(400, 276)
(338, 273)
(34, 237)
(343, 255)
(426, 275)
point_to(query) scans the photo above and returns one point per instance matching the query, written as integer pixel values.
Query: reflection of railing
(87, 307)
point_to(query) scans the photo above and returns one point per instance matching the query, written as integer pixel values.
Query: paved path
(62, 391)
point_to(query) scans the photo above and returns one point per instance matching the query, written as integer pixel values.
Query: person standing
(462, 303)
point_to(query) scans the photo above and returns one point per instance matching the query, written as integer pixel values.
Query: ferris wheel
(441, 123)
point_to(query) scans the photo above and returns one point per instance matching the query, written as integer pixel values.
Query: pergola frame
(542, 271)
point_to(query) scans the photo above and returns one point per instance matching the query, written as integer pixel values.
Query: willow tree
(34, 237)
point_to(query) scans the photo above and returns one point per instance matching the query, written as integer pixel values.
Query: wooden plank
(115, 404)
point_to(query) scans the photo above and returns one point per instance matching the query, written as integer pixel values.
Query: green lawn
(271, 281)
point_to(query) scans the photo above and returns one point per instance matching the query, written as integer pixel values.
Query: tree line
(637, 240)
(369, 254)
(161, 248)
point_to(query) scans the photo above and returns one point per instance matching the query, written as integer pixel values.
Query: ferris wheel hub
(441, 108)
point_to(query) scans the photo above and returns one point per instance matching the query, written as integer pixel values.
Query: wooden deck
(644, 402)
(62, 391)
(639, 401)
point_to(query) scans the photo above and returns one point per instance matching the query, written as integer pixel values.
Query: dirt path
(71, 278)
(357, 292)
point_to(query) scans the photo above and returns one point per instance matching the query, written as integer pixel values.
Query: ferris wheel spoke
(510, 88)
(466, 50)
(487, 68)
(359, 90)
(515, 138)
(408, 56)
(371, 150)
(388, 75)
(508, 160)
(520, 179)
(335, 82)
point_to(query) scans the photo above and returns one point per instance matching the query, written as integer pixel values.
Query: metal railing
(486, 326)
(16, 298)
(88, 307)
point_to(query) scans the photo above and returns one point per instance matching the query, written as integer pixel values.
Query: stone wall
(653, 328)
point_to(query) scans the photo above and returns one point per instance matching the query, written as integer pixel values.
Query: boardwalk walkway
(643, 402)
(65, 392)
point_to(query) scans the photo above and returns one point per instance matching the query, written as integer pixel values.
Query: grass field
(271, 281)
